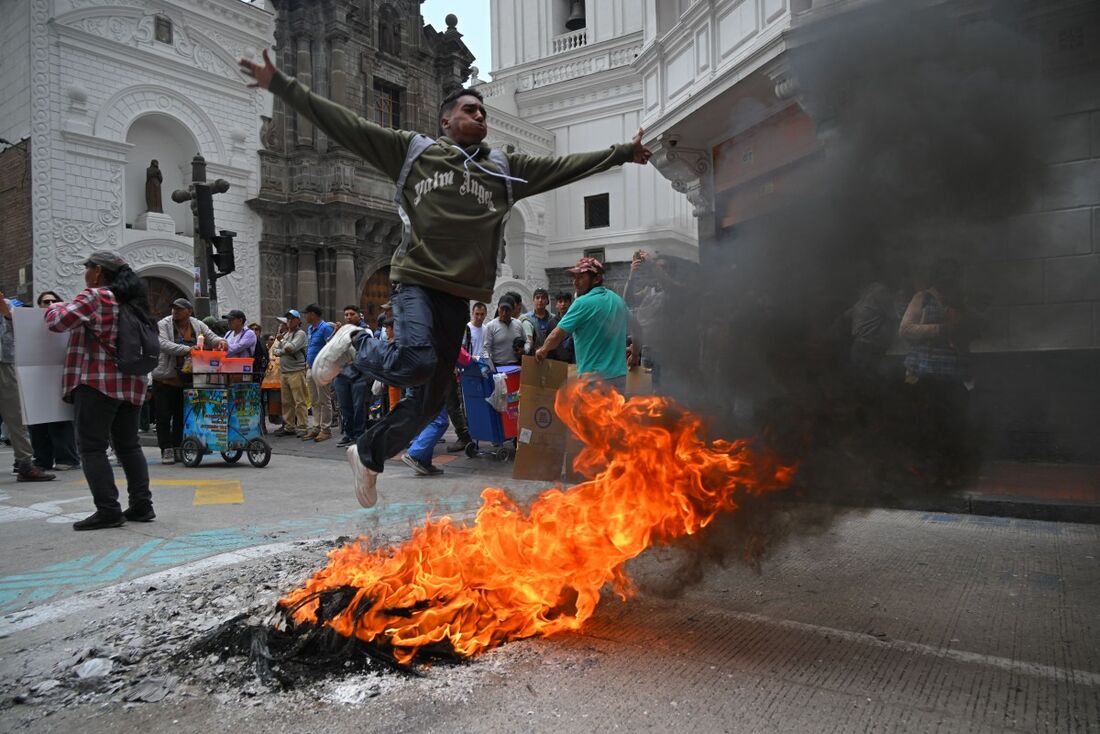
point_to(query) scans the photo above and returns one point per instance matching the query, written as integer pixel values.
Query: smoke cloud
(931, 121)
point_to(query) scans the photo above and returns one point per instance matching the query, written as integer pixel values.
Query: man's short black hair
(448, 103)
(567, 297)
(478, 305)
(517, 299)
(352, 307)
(313, 308)
(541, 292)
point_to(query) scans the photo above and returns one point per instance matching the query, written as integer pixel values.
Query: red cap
(587, 265)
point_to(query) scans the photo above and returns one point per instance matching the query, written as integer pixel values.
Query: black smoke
(931, 120)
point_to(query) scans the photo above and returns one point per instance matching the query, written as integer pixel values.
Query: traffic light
(224, 261)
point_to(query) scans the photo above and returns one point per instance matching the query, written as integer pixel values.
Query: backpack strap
(500, 159)
(417, 145)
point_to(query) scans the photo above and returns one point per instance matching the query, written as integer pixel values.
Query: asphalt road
(881, 620)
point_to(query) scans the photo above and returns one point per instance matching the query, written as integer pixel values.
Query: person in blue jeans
(419, 454)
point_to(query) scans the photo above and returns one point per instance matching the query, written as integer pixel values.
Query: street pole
(201, 248)
(208, 266)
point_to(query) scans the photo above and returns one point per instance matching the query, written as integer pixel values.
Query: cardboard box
(545, 447)
(540, 443)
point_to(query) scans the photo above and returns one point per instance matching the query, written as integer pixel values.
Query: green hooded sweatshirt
(456, 206)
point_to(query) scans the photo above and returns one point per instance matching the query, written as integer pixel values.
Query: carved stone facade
(329, 222)
(105, 93)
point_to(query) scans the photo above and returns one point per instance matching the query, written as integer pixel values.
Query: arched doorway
(376, 291)
(161, 294)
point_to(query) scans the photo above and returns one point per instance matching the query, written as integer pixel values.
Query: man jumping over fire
(453, 195)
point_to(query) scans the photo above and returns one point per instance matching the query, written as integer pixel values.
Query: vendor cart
(223, 412)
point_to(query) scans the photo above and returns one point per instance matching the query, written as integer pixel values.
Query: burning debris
(453, 591)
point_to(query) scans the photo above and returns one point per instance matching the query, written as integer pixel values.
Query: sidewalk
(1032, 491)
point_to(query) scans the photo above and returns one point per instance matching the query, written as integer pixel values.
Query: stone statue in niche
(153, 180)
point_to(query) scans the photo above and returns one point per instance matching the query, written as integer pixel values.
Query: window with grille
(597, 211)
(387, 105)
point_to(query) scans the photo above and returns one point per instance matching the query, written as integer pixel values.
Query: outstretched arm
(543, 173)
(382, 147)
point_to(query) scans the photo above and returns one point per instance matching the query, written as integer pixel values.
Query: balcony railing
(569, 41)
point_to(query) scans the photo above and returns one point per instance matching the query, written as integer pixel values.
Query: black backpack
(137, 344)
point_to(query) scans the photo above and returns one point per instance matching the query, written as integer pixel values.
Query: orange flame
(512, 574)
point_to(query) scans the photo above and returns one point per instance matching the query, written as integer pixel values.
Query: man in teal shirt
(599, 322)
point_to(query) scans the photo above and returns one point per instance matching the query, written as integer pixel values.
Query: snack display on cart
(222, 413)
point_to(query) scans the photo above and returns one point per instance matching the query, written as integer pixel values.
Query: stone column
(307, 276)
(345, 277)
(272, 294)
(305, 75)
(338, 82)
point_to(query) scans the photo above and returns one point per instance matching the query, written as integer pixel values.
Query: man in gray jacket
(179, 334)
(290, 348)
(500, 335)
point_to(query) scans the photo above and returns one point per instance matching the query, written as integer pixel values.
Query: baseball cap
(234, 314)
(506, 301)
(587, 265)
(183, 303)
(106, 260)
(293, 313)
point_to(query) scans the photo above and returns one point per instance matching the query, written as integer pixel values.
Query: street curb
(1023, 508)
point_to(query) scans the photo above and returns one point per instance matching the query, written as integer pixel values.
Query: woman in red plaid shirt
(107, 403)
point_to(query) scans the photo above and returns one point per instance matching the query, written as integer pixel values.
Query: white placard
(39, 364)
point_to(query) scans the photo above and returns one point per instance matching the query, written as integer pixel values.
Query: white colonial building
(566, 84)
(101, 88)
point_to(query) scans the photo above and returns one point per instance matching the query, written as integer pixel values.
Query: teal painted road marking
(19, 591)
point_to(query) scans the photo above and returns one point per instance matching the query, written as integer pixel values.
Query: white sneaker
(365, 479)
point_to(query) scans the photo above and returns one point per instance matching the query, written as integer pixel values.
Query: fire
(513, 574)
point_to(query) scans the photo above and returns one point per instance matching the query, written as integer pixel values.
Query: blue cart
(485, 423)
(224, 419)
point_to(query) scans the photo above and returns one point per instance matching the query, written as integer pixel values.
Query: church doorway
(376, 292)
(161, 294)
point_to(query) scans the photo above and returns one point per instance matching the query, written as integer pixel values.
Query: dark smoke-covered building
(813, 153)
(329, 225)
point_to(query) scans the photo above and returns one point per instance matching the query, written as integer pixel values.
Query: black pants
(457, 413)
(943, 421)
(54, 443)
(168, 401)
(427, 334)
(98, 418)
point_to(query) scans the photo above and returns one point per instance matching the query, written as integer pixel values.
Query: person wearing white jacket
(179, 334)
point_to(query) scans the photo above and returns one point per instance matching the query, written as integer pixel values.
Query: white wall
(102, 71)
(585, 99)
(522, 30)
(15, 70)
